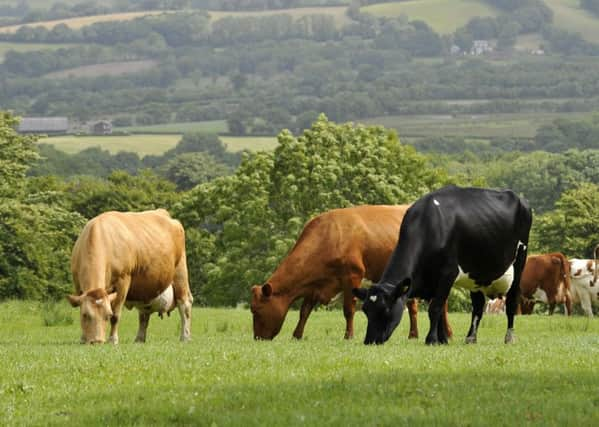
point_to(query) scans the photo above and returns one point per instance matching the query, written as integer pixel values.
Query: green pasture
(568, 15)
(154, 144)
(444, 16)
(338, 13)
(210, 126)
(140, 144)
(522, 125)
(224, 377)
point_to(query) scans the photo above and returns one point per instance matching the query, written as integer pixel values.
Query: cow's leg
(446, 324)
(413, 312)
(551, 308)
(349, 309)
(568, 304)
(122, 289)
(585, 302)
(184, 307)
(478, 304)
(307, 306)
(442, 333)
(513, 295)
(436, 306)
(144, 319)
(183, 297)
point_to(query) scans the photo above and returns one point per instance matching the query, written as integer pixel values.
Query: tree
(190, 169)
(255, 215)
(573, 227)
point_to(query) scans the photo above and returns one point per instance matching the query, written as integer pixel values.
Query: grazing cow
(136, 259)
(584, 275)
(546, 278)
(334, 252)
(475, 238)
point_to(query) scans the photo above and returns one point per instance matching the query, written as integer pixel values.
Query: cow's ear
(402, 288)
(112, 297)
(360, 293)
(267, 290)
(75, 300)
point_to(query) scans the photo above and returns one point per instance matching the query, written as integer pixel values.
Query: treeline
(197, 158)
(240, 225)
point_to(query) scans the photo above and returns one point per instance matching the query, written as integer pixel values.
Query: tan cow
(137, 259)
(334, 252)
(546, 278)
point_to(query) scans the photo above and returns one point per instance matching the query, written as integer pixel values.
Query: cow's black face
(383, 311)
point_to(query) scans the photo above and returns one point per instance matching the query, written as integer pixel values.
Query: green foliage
(16, 154)
(35, 249)
(190, 169)
(256, 214)
(573, 227)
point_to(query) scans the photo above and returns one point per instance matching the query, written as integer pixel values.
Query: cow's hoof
(113, 340)
(140, 340)
(412, 336)
(510, 338)
(470, 340)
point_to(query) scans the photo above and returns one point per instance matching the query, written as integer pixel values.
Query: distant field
(150, 143)
(27, 47)
(337, 12)
(478, 126)
(212, 126)
(140, 144)
(444, 16)
(107, 69)
(568, 15)
(252, 143)
(82, 21)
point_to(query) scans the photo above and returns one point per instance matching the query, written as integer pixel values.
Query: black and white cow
(475, 238)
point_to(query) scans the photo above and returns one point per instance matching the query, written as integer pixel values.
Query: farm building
(46, 125)
(103, 127)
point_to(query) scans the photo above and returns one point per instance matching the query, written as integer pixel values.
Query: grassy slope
(444, 16)
(568, 15)
(83, 20)
(105, 69)
(337, 12)
(224, 377)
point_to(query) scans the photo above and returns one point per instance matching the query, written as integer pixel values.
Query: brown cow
(546, 278)
(137, 259)
(334, 252)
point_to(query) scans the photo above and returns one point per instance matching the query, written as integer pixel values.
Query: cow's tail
(565, 271)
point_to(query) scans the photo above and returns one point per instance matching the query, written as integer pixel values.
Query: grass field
(106, 69)
(223, 377)
(478, 126)
(337, 12)
(213, 126)
(82, 21)
(568, 15)
(444, 16)
(150, 144)
(140, 144)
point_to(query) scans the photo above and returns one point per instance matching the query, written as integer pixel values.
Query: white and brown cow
(132, 259)
(546, 278)
(584, 277)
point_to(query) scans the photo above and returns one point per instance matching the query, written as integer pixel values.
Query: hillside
(444, 16)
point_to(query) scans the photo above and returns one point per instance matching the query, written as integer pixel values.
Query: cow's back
(360, 237)
(146, 245)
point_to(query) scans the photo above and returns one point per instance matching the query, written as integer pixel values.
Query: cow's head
(383, 308)
(95, 311)
(268, 311)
